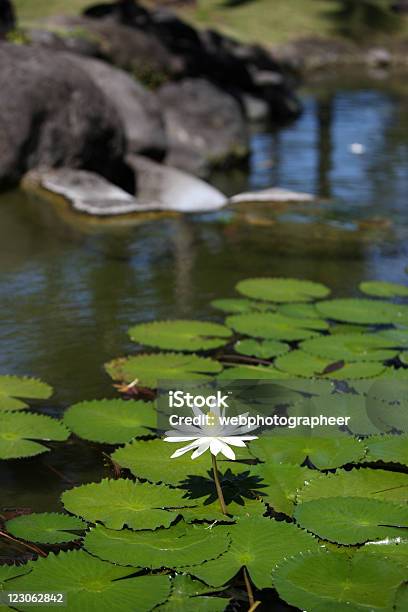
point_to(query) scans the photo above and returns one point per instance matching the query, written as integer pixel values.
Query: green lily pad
(147, 370)
(351, 347)
(181, 335)
(374, 484)
(282, 483)
(46, 527)
(300, 363)
(111, 421)
(398, 336)
(387, 448)
(117, 503)
(251, 372)
(151, 460)
(403, 357)
(369, 312)
(13, 389)
(239, 305)
(323, 452)
(275, 326)
(259, 544)
(211, 512)
(395, 549)
(93, 585)
(175, 547)
(282, 289)
(347, 328)
(354, 408)
(324, 581)
(187, 594)
(262, 350)
(20, 431)
(352, 520)
(8, 572)
(299, 311)
(383, 289)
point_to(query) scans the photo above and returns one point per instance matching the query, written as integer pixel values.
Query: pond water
(70, 288)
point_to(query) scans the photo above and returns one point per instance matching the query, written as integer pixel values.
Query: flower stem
(218, 485)
(248, 587)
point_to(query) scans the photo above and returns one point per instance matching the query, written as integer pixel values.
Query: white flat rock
(275, 194)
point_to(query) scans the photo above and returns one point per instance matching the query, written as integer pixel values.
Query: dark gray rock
(138, 108)
(205, 126)
(74, 42)
(7, 17)
(52, 114)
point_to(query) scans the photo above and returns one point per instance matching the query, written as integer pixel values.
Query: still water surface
(70, 289)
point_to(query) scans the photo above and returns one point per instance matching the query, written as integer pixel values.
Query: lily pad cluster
(321, 520)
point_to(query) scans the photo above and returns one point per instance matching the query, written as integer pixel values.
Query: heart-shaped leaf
(282, 289)
(14, 388)
(352, 520)
(181, 335)
(383, 289)
(262, 350)
(117, 503)
(93, 585)
(351, 347)
(300, 363)
(112, 421)
(146, 370)
(175, 547)
(259, 544)
(370, 312)
(46, 527)
(20, 431)
(387, 448)
(275, 326)
(334, 581)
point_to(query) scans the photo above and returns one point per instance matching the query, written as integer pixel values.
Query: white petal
(227, 451)
(238, 440)
(215, 446)
(179, 438)
(203, 447)
(184, 449)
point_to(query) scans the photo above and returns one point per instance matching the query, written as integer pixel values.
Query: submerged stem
(218, 485)
(248, 587)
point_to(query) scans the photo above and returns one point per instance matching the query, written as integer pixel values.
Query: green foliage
(13, 388)
(240, 305)
(181, 335)
(146, 370)
(256, 372)
(352, 520)
(282, 481)
(178, 546)
(117, 503)
(300, 363)
(151, 460)
(282, 289)
(398, 336)
(263, 350)
(334, 581)
(275, 326)
(19, 433)
(46, 528)
(368, 312)
(383, 289)
(373, 484)
(94, 585)
(190, 594)
(111, 421)
(323, 452)
(259, 544)
(388, 449)
(351, 347)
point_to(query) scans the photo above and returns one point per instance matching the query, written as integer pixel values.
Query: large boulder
(210, 54)
(52, 114)
(205, 126)
(137, 107)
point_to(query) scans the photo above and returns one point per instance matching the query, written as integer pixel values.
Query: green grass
(264, 21)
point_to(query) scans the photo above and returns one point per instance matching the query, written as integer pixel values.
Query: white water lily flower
(215, 435)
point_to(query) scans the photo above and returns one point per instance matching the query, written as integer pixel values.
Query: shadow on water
(70, 289)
